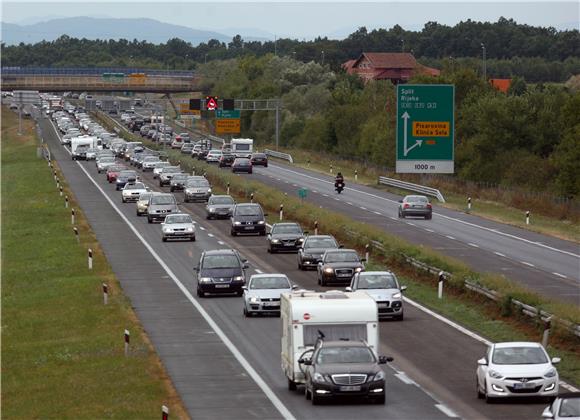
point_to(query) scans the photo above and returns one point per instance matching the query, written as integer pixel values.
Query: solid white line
(527, 263)
(349, 203)
(237, 354)
(221, 242)
(376, 212)
(429, 230)
(450, 237)
(404, 378)
(499, 254)
(443, 216)
(210, 235)
(202, 228)
(392, 218)
(315, 192)
(410, 224)
(446, 410)
(363, 208)
(473, 245)
(560, 275)
(325, 195)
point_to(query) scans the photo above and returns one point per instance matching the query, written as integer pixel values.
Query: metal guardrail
(279, 155)
(412, 187)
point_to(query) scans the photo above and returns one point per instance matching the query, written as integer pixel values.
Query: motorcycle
(339, 186)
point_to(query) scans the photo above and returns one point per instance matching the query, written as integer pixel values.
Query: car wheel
(240, 293)
(123, 200)
(149, 220)
(315, 398)
(246, 313)
(164, 239)
(380, 400)
(488, 399)
(233, 233)
(399, 317)
(160, 183)
(193, 239)
(263, 233)
(307, 393)
(480, 395)
(300, 266)
(266, 165)
(322, 281)
(429, 217)
(291, 385)
(200, 293)
(171, 189)
(98, 171)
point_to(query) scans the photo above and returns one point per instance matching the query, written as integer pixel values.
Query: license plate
(288, 244)
(383, 305)
(222, 286)
(350, 388)
(270, 304)
(344, 275)
(523, 385)
(249, 228)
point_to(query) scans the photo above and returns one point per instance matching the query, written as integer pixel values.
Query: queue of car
(515, 369)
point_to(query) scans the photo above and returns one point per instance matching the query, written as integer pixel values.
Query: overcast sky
(302, 19)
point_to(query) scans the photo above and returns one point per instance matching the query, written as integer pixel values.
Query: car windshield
(248, 211)
(221, 200)
(135, 186)
(329, 355)
(107, 159)
(199, 183)
(570, 407)
(286, 229)
(416, 199)
(341, 257)
(519, 356)
(242, 162)
(270, 283)
(178, 218)
(320, 243)
(221, 261)
(163, 199)
(377, 281)
(171, 170)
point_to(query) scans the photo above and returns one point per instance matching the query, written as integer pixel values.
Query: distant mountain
(106, 28)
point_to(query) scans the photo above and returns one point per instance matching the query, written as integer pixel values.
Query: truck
(79, 146)
(242, 147)
(334, 315)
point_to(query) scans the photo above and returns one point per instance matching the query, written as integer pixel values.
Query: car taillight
(429, 205)
(405, 206)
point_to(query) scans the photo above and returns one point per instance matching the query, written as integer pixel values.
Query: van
(306, 315)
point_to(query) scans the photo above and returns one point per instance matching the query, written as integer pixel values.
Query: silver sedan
(262, 294)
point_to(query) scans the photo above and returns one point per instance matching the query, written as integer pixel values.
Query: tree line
(528, 137)
(537, 53)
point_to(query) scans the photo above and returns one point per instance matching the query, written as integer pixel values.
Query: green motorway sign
(425, 128)
(227, 114)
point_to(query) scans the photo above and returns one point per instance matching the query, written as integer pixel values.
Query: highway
(226, 366)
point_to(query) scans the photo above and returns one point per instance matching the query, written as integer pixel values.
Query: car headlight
(189, 229)
(396, 295)
(209, 190)
(358, 269)
(300, 239)
(550, 373)
(238, 278)
(211, 210)
(275, 241)
(237, 223)
(328, 270)
(319, 377)
(254, 300)
(261, 222)
(379, 376)
(205, 279)
(494, 374)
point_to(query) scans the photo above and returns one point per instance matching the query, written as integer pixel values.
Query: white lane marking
(527, 263)
(202, 228)
(336, 199)
(278, 179)
(210, 235)
(376, 212)
(446, 410)
(473, 245)
(363, 208)
(450, 237)
(214, 326)
(221, 242)
(258, 271)
(560, 275)
(325, 195)
(404, 378)
(392, 218)
(294, 185)
(410, 224)
(443, 216)
(429, 230)
(349, 203)
(315, 192)
(499, 254)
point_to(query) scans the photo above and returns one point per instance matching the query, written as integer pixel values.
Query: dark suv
(339, 266)
(344, 369)
(248, 218)
(313, 248)
(221, 271)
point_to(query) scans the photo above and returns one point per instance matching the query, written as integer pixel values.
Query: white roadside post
(367, 253)
(72, 216)
(528, 217)
(228, 189)
(440, 285)
(356, 175)
(252, 198)
(90, 259)
(66, 201)
(281, 211)
(546, 335)
(76, 232)
(127, 339)
(468, 204)
(316, 227)
(164, 412)
(331, 168)
(60, 188)
(105, 294)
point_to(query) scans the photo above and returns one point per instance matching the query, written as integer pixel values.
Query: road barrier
(279, 155)
(397, 183)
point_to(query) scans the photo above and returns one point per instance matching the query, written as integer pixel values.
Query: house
(396, 67)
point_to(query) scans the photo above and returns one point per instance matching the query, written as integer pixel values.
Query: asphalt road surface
(226, 366)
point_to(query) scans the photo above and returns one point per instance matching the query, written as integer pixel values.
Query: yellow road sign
(227, 126)
(431, 129)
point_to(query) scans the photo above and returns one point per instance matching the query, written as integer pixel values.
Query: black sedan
(221, 271)
(260, 159)
(339, 266)
(285, 237)
(226, 160)
(242, 165)
(313, 248)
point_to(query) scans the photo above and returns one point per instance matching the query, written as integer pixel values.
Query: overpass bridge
(98, 80)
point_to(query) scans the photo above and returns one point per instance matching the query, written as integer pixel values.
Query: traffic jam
(329, 336)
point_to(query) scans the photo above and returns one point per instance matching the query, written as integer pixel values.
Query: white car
(213, 156)
(159, 167)
(262, 294)
(149, 163)
(91, 154)
(565, 407)
(177, 226)
(132, 191)
(516, 369)
(104, 162)
(384, 288)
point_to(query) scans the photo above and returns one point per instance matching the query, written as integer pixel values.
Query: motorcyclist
(338, 180)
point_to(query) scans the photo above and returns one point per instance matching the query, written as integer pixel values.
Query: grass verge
(62, 348)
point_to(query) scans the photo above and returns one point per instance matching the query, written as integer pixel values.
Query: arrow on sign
(418, 143)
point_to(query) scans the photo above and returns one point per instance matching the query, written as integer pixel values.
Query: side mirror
(265, 214)
(556, 360)
(294, 287)
(341, 246)
(547, 413)
(403, 288)
(195, 269)
(162, 223)
(384, 359)
(363, 260)
(400, 201)
(348, 289)
(306, 362)
(244, 287)
(305, 233)
(482, 362)
(246, 265)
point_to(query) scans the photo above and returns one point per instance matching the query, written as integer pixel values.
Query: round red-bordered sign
(306, 316)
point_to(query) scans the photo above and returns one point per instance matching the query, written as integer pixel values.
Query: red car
(113, 172)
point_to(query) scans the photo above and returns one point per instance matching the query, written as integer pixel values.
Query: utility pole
(275, 46)
(323, 57)
(277, 123)
(484, 63)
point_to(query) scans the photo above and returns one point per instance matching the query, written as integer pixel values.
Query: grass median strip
(62, 348)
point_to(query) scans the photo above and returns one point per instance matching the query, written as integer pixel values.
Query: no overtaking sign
(425, 128)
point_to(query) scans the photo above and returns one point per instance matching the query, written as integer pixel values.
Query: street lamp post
(402, 45)
(323, 57)
(484, 63)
